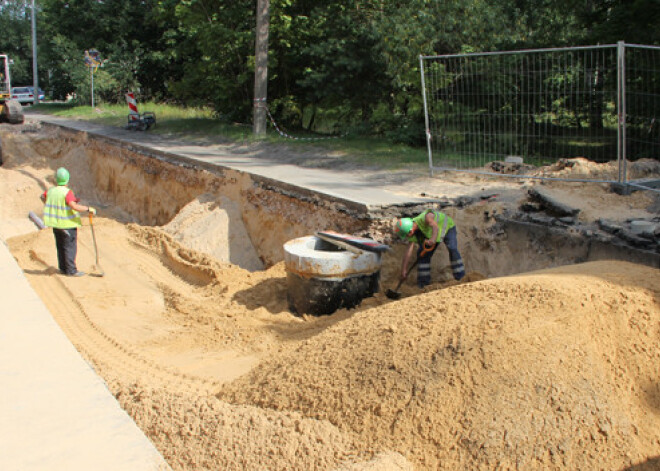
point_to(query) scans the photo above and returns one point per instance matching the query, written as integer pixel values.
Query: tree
(634, 21)
(261, 68)
(126, 33)
(336, 64)
(15, 40)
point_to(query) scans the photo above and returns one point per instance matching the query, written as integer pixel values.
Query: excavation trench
(245, 219)
(193, 304)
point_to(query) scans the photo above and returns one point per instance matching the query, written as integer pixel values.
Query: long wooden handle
(408, 273)
(421, 254)
(96, 250)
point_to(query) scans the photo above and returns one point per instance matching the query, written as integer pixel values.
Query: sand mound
(581, 167)
(243, 437)
(557, 368)
(213, 225)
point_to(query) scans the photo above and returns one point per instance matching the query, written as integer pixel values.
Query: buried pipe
(36, 220)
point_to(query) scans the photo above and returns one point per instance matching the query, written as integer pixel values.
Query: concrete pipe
(322, 277)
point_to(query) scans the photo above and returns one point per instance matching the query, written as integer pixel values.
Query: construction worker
(427, 230)
(61, 213)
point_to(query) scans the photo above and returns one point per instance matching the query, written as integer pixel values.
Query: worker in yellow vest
(426, 231)
(62, 214)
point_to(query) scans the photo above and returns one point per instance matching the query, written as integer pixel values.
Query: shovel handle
(424, 251)
(409, 270)
(91, 225)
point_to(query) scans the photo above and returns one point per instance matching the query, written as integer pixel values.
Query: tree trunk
(261, 68)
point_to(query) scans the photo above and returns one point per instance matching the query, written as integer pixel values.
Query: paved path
(371, 189)
(55, 412)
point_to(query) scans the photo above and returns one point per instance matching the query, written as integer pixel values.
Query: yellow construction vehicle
(10, 110)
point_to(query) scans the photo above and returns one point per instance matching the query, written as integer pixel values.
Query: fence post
(426, 115)
(621, 98)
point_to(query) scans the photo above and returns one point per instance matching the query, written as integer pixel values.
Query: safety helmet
(402, 227)
(62, 176)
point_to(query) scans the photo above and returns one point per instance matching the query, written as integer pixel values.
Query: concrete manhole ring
(322, 278)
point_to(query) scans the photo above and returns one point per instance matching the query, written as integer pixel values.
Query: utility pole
(35, 76)
(261, 69)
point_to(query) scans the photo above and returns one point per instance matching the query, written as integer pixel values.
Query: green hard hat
(402, 226)
(62, 176)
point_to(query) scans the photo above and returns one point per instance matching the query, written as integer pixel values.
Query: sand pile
(214, 226)
(195, 432)
(166, 326)
(580, 167)
(555, 369)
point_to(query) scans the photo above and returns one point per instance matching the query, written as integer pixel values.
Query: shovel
(394, 293)
(96, 250)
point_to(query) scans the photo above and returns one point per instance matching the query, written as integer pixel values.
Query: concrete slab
(55, 412)
(357, 187)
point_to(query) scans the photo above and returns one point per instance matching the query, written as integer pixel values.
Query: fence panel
(642, 104)
(541, 105)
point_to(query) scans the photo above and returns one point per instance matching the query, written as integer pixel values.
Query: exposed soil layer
(552, 369)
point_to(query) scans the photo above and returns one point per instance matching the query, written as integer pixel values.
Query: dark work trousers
(424, 264)
(66, 241)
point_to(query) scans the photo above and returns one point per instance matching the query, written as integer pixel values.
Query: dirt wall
(151, 188)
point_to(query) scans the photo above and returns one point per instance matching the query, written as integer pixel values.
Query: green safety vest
(444, 224)
(57, 213)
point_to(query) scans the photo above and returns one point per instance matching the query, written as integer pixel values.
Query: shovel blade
(390, 293)
(99, 271)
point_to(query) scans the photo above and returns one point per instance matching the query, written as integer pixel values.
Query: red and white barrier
(132, 107)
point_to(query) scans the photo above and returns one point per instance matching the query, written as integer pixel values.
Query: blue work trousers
(424, 265)
(66, 241)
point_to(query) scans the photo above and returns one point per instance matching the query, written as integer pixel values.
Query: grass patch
(369, 151)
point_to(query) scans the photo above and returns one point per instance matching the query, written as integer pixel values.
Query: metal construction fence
(597, 102)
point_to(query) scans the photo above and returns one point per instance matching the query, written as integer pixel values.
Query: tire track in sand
(111, 359)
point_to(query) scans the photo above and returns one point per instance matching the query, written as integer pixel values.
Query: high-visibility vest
(57, 213)
(444, 224)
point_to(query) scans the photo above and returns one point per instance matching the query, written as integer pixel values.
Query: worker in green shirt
(426, 231)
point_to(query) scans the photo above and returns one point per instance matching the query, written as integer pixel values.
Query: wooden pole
(35, 75)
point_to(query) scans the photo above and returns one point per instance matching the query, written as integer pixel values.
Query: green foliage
(211, 44)
(334, 66)
(344, 60)
(545, 23)
(633, 21)
(64, 61)
(126, 34)
(15, 40)
(288, 111)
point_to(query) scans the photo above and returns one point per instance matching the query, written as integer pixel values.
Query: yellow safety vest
(444, 224)
(57, 213)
